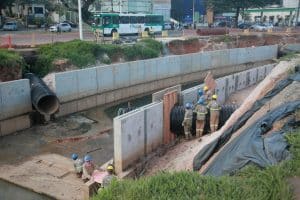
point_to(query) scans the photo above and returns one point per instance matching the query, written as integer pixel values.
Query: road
(40, 36)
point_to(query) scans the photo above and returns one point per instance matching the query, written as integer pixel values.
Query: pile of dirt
(179, 47)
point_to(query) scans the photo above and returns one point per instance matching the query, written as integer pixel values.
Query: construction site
(130, 115)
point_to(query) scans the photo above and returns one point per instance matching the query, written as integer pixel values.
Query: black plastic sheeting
(252, 147)
(202, 157)
(177, 115)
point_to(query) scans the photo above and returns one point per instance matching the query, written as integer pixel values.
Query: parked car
(73, 25)
(244, 25)
(10, 26)
(61, 27)
(261, 27)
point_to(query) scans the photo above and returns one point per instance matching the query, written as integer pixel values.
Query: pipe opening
(48, 105)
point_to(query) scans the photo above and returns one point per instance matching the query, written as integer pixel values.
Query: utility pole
(80, 20)
(193, 12)
(297, 15)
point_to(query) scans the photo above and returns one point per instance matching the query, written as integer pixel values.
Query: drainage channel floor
(89, 131)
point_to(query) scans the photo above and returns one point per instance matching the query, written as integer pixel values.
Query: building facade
(284, 14)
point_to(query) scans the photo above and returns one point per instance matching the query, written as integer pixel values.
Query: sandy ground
(181, 156)
(79, 133)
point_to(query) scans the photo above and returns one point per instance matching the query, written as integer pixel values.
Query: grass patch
(10, 59)
(82, 53)
(250, 183)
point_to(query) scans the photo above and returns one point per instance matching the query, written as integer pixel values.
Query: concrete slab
(153, 126)
(55, 180)
(87, 103)
(137, 73)
(186, 64)
(122, 75)
(105, 78)
(66, 86)
(128, 133)
(15, 124)
(15, 98)
(87, 82)
(174, 65)
(163, 67)
(150, 70)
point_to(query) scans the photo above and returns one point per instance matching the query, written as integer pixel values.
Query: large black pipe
(177, 115)
(43, 99)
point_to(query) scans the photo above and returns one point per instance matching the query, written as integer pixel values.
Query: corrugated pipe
(43, 99)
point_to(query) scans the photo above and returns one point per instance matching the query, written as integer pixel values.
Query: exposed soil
(179, 47)
(10, 73)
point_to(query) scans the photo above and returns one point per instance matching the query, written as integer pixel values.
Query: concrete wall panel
(163, 67)
(196, 62)
(242, 56)
(233, 56)
(13, 125)
(153, 126)
(105, 78)
(220, 90)
(87, 82)
(15, 98)
(174, 66)
(205, 60)
(261, 73)
(150, 70)
(129, 139)
(66, 86)
(121, 75)
(186, 64)
(241, 80)
(137, 73)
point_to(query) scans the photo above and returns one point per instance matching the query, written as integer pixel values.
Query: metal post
(80, 20)
(297, 15)
(193, 12)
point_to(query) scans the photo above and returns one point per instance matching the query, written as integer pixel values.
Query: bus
(108, 23)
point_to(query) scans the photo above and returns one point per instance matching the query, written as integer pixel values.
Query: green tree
(238, 5)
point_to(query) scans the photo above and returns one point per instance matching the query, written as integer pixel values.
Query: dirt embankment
(179, 47)
(10, 73)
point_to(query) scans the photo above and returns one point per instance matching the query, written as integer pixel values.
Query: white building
(281, 15)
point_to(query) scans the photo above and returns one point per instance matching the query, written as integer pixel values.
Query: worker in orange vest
(207, 94)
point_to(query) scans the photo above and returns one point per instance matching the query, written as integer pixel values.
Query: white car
(261, 27)
(10, 26)
(61, 27)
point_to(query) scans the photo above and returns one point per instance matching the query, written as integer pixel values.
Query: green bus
(108, 23)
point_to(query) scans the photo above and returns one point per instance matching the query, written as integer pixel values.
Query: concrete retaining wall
(15, 104)
(229, 84)
(140, 132)
(136, 134)
(82, 89)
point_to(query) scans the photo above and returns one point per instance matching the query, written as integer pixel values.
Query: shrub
(10, 59)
